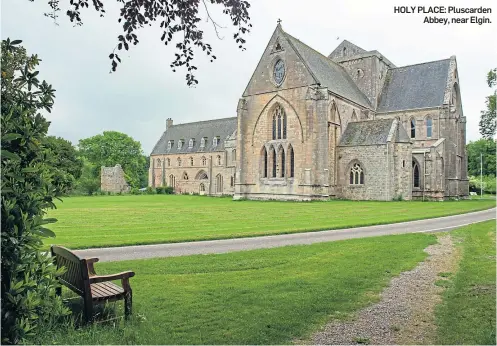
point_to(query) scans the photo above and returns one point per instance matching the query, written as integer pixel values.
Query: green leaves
(28, 283)
(10, 137)
(9, 155)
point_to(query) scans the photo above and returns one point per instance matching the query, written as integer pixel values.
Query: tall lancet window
(429, 127)
(265, 161)
(292, 161)
(273, 159)
(413, 128)
(274, 126)
(279, 123)
(281, 154)
(284, 126)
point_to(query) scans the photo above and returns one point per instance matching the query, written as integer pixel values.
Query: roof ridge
(324, 56)
(204, 121)
(421, 63)
(332, 63)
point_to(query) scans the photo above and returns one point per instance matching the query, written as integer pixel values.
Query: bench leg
(128, 302)
(88, 311)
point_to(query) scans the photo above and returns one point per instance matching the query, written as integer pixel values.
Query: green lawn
(467, 315)
(129, 220)
(270, 296)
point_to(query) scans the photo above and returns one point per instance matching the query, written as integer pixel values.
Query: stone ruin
(112, 180)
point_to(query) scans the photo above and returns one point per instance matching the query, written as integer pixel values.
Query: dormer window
(180, 144)
(191, 143)
(215, 141)
(202, 142)
(170, 145)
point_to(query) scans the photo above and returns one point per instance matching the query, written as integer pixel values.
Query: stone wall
(112, 180)
(209, 173)
(373, 161)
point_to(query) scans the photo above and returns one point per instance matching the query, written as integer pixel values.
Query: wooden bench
(81, 278)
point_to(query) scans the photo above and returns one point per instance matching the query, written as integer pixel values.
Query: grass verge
(271, 296)
(467, 314)
(150, 219)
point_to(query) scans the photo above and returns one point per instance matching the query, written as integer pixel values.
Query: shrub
(135, 191)
(169, 190)
(150, 190)
(489, 185)
(160, 190)
(28, 276)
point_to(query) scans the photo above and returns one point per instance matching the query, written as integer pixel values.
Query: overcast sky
(144, 91)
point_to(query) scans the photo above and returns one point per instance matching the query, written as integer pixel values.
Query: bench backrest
(76, 275)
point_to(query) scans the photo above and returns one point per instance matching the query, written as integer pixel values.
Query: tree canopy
(487, 147)
(63, 158)
(112, 148)
(178, 19)
(488, 118)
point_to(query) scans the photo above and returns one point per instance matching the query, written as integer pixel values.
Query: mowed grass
(272, 296)
(101, 221)
(467, 315)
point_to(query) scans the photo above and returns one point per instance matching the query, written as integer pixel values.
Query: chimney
(169, 123)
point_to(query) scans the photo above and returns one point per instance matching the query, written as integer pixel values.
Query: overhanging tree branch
(174, 16)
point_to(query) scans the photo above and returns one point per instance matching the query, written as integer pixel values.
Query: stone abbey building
(349, 125)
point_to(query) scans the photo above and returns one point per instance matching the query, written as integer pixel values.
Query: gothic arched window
(179, 162)
(279, 123)
(284, 126)
(281, 156)
(415, 175)
(264, 157)
(274, 126)
(158, 162)
(168, 161)
(204, 161)
(292, 161)
(185, 176)
(413, 128)
(219, 183)
(191, 161)
(172, 181)
(429, 125)
(273, 160)
(233, 155)
(356, 175)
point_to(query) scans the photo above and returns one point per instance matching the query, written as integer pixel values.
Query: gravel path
(439, 224)
(405, 313)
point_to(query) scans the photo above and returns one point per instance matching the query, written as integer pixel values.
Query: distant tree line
(481, 159)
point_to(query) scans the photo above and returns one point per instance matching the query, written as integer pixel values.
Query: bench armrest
(118, 276)
(92, 260)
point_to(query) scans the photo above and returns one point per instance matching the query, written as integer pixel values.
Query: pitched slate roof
(351, 48)
(414, 86)
(210, 129)
(328, 73)
(372, 132)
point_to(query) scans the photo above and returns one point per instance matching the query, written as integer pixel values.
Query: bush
(150, 190)
(489, 185)
(28, 276)
(169, 190)
(135, 191)
(160, 190)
